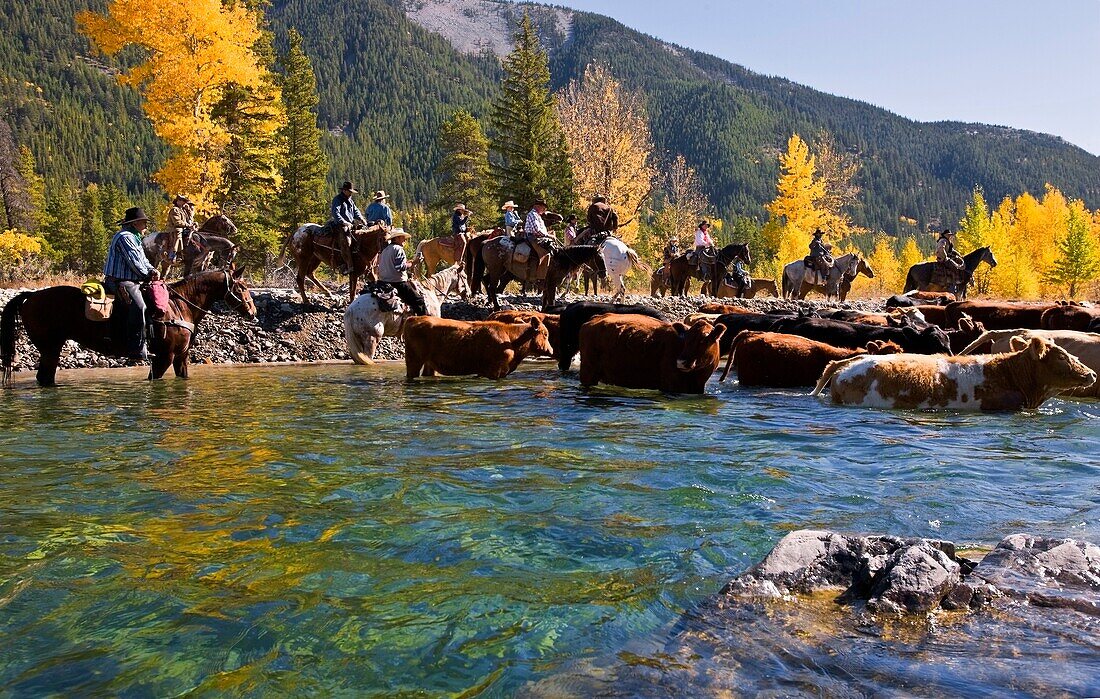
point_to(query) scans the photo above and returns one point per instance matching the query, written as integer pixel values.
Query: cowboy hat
(508, 205)
(462, 208)
(133, 214)
(380, 195)
(599, 199)
(396, 233)
(704, 223)
(180, 197)
(819, 233)
(347, 187)
(539, 202)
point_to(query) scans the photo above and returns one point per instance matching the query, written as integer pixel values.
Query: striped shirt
(126, 258)
(535, 227)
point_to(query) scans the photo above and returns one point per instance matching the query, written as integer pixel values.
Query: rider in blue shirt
(379, 211)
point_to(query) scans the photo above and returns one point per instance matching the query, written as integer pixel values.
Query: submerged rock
(1045, 572)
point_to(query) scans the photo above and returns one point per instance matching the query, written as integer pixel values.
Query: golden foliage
(610, 147)
(16, 247)
(194, 50)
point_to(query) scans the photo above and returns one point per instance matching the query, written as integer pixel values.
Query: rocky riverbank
(288, 331)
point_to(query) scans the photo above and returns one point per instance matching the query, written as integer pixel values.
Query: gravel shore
(288, 331)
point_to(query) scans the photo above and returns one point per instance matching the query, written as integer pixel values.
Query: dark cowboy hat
(181, 197)
(946, 232)
(539, 202)
(818, 233)
(599, 199)
(348, 187)
(133, 214)
(704, 223)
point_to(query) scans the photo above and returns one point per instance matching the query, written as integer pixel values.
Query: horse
(312, 244)
(565, 262)
(366, 323)
(921, 276)
(475, 265)
(759, 286)
(618, 258)
(681, 271)
(659, 282)
(53, 315)
(210, 238)
(799, 280)
(438, 250)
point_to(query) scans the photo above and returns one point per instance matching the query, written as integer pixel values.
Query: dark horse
(922, 276)
(565, 262)
(213, 236)
(312, 244)
(56, 314)
(680, 271)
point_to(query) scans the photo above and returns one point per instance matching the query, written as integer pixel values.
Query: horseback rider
(671, 252)
(571, 230)
(460, 222)
(704, 248)
(393, 268)
(820, 257)
(126, 267)
(951, 262)
(379, 211)
(534, 229)
(601, 217)
(345, 214)
(180, 227)
(511, 218)
(739, 277)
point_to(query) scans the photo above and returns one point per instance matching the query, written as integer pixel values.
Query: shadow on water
(336, 529)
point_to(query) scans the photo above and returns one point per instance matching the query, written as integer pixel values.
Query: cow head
(1054, 366)
(883, 347)
(930, 340)
(539, 337)
(698, 340)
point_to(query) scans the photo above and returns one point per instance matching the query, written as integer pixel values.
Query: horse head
(237, 296)
(863, 267)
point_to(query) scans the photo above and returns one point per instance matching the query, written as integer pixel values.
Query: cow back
(998, 315)
(577, 314)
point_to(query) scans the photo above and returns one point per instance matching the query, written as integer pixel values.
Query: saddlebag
(97, 304)
(522, 253)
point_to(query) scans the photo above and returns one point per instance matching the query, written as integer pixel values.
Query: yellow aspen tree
(910, 255)
(193, 51)
(796, 205)
(884, 261)
(610, 147)
(974, 232)
(1077, 260)
(837, 169)
(1006, 278)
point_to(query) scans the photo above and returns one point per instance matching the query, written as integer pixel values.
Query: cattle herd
(925, 351)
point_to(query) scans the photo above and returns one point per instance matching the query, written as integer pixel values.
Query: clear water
(334, 530)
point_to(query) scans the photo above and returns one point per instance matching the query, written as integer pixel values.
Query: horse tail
(8, 332)
(786, 285)
(637, 261)
(355, 348)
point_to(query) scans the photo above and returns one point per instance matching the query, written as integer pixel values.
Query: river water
(335, 530)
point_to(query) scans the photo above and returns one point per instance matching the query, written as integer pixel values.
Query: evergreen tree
(36, 188)
(94, 238)
(1078, 260)
(15, 201)
(61, 226)
(301, 198)
(530, 155)
(463, 173)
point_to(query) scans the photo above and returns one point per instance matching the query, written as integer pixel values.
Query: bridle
(230, 295)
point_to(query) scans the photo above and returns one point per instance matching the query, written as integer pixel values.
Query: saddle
(522, 252)
(447, 241)
(945, 276)
(386, 295)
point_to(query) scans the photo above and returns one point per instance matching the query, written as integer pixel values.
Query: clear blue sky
(1031, 65)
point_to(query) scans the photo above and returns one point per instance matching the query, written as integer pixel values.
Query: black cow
(736, 322)
(839, 333)
(577, 314)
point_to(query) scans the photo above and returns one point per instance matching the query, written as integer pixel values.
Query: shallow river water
(334, 530)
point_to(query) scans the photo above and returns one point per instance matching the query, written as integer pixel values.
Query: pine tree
(61, 227)
(530, 156)
(301, 198)
(36, 188)
(1078, 256)
(93, 241)
(463, 172)
(15, 201)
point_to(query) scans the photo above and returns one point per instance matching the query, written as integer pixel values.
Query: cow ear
(535, 323)
(679, 327)
(716, 333)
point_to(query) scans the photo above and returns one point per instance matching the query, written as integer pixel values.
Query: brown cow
(486, 348)
(1025, 378)
(721, 308)
(550, 320)
(1084, 346)
(998, 315)
(936, 315)
(1069, 316)
(785, 361)
(640, 352)
(968, 331)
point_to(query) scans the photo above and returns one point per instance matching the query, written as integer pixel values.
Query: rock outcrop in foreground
(916, 576)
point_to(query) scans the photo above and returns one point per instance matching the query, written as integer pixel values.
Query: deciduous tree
(797, 206)
(1078, 253)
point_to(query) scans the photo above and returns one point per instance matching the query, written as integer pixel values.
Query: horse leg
(50, 357)
(160, 363)
(181, 364)
(353, 279)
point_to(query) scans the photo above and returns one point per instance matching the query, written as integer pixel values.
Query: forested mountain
(386, 84)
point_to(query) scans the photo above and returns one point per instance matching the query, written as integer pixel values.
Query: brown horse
(213, 236)
(680, 271)
(312, 244)
(441, 250)
(475, 265)
(54, 315)
(759, 286)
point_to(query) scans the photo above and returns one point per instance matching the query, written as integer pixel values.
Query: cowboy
(820, 258)
(460, 222)
(671, 252)
(601, 217)
(393, 268)
(345, 214)
(511, 218)
(571, 230)
(534, 229)
(379, 211)
(125, 269)
(181, 224)
(704, 248)
(739, 277)
(951, 262)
